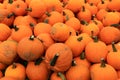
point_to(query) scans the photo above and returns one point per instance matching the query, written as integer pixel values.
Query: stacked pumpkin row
(59, 40)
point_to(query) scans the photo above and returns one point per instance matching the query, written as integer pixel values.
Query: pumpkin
(82, 60)
(53, 17)
(18, 71)
(103, 71)
(8, 51)
(5, 32)
(30, 48)
(95, 50)
(35, 68)
(81, 70)
(57, 76)
(36, 8)
(60, 32)
(20, 31)
(6, 17)
(76, 44)
(109, 34)
(46, 39)
(58, 57)
(113, 57)
(7, 78)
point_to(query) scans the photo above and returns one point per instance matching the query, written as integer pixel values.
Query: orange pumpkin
(30, 48)
(46, 39)
(36, 8)
(81, 70)
(5, 32)
(95, 50)
(60, 32)
(35, 68)
(57, 76)
(113, 57)
(8, 50)
(58, 57)
(18, 71)
(20, 31)
(103, 71)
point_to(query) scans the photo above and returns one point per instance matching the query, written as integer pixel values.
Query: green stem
(95, 38)
(38, 61)
(32, 24)
(61, 75)
(28, 9)
(83, 22)
(10, 15)
(103, 64)
(10, 1)
(53, 61)
(15, 28)
(113, 47)
(79, 38)
(48, 14)
(82, 55)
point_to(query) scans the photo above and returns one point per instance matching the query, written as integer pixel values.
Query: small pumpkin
(81, 70)
(58, 57)
(57, 76)
(35, 68)
(5, 32)
(103, 71)
(8, 51)
(18, 71)
(30, 48)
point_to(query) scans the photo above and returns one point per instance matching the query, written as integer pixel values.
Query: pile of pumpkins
(59, 40)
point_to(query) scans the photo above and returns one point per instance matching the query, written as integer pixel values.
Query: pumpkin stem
(103, 62)
(53, 61)
(67, 17)
(79, 38)
(93, 17)
(38, 61)
(46, 21)
(77, 33)
(91, 4)
(32, 37)
(28, 9)
(73, 63)
(61, 75)
(95, 22)
(10, 1)
(95, 38)
(14, 65)
(48, 14)
(85, 1)
(84, 22)
(10, 15)
(113, 47)
(15, 28)
(115, 25)
(64, 4)
(64, 13)
(82, 55)
(32, 24)
(102, 1)
(83, 8)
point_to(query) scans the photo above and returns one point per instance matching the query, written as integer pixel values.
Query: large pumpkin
(58, 57)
